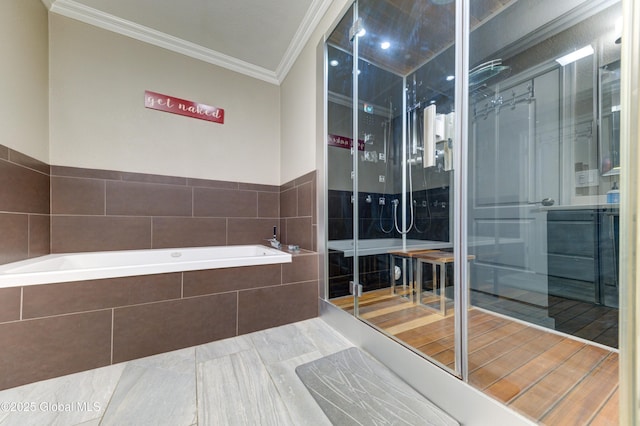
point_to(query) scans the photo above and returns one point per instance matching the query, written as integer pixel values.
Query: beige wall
(24, 110)
(298, 98)
(98, 118)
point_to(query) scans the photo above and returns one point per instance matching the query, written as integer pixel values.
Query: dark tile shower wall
(24, 206)
(376, 221)
(374, 273)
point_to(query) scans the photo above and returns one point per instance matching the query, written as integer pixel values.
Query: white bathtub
(65, 267)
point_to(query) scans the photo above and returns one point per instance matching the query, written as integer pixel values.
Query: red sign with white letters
(179, 106)
(344, 142)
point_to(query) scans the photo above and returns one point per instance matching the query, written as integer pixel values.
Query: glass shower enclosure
(473, 157)
(391, 124)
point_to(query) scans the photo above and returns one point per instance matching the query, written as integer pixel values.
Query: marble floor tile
(281, 343)
(180, 361)
(245, 380)
(67, 400)
(325, 338)
(302, 407)
(160, 393)
(223, 347)
(255, 400)
(94, 422)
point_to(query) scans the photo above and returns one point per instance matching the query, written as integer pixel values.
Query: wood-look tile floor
(551, 378)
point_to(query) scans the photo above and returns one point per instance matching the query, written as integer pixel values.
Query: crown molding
(309, 23)
(47, 3)
(74, 10)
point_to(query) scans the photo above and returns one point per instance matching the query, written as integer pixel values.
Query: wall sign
(344, 142)
(178, 106)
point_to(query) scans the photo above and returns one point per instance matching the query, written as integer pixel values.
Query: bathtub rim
(10, 279)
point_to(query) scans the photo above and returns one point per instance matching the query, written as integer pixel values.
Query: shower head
(487, 70)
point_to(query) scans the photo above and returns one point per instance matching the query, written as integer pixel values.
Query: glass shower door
(472, 210)
(404, 174)
(340, 145)
(541, 336)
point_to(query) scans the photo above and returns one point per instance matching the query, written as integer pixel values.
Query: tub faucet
(274, 241)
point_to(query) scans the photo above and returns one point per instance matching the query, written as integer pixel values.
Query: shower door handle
(355, 288)
(545, 202)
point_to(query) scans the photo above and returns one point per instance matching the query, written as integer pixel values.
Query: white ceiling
(259, 38)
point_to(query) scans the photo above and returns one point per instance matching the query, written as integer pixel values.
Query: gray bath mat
(354, 389)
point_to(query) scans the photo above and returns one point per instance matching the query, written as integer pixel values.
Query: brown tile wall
(52, 209)
(24, 206)
(298, 221)
(100, 210)
(54, 329)
(96, 210)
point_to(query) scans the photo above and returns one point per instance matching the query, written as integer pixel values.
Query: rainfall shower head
(487, 70)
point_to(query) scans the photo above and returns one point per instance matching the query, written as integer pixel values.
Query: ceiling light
(361, 32)
(385, 45)
(450, 77)
(575, 55)
(334, 63)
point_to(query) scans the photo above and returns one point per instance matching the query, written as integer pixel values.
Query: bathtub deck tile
(67, 297)
(221, 280)
(54, 346)
(150, 329)
(267, 307)
(10, 304)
